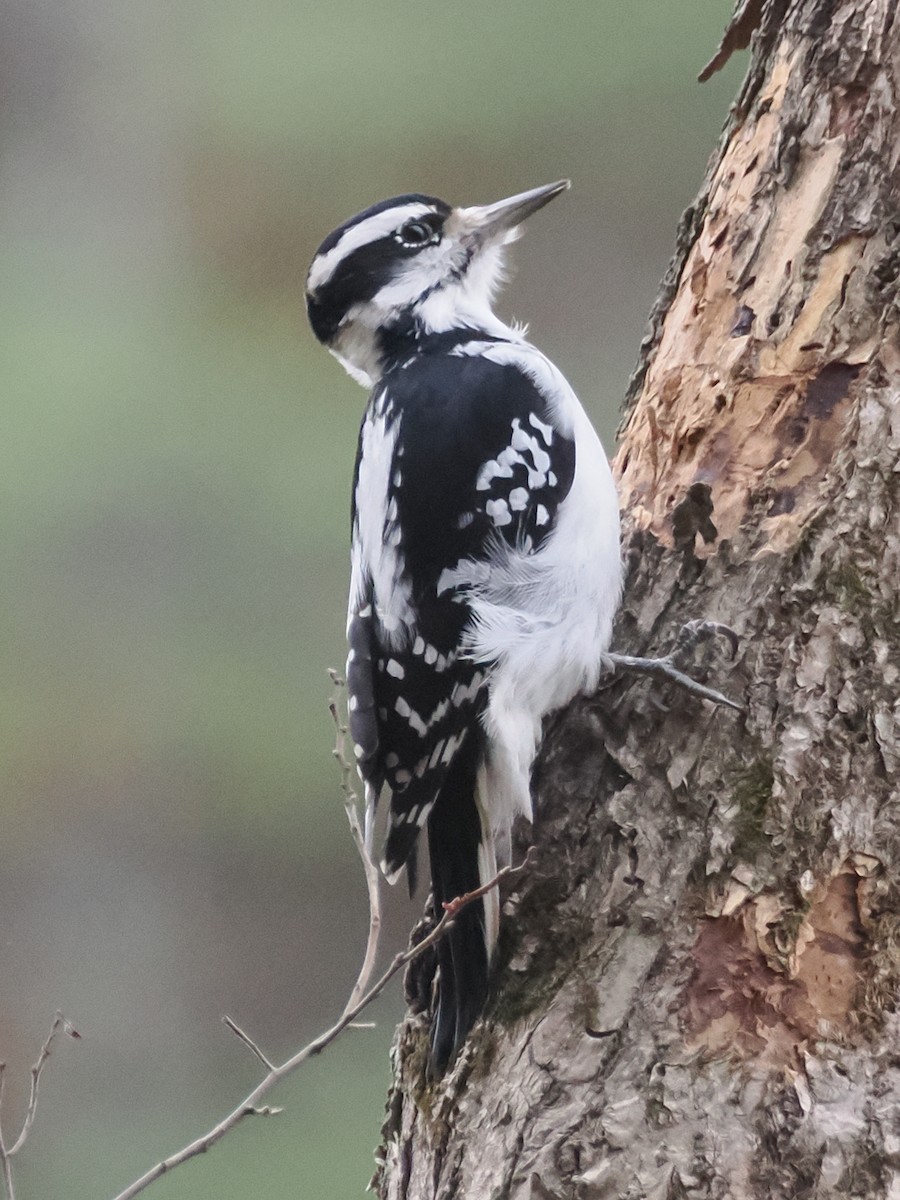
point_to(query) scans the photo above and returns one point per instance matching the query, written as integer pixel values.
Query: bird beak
(490, 222)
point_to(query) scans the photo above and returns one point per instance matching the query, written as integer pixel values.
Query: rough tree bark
(697, 987)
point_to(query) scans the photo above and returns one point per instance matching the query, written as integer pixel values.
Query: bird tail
(461, 849)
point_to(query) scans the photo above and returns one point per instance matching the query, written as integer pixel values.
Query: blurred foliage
(174, 464)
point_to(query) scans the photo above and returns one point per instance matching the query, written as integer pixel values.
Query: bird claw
(693, 633)
(690, 636)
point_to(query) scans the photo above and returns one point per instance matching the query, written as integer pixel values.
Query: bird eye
(415, 234)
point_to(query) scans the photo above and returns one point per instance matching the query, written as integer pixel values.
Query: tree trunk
(695, 994)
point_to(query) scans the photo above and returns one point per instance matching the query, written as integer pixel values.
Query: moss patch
(751, 791)
(849, 589)
(552, 955)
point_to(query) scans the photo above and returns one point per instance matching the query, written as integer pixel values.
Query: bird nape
(485, 564)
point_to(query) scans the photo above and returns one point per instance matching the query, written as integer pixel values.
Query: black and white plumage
(485, 550)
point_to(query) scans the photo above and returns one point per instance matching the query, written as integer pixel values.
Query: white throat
(461, 303)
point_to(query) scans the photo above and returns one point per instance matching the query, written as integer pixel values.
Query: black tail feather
(454, 835)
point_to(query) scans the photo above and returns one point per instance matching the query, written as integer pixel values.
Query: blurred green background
(176, 454)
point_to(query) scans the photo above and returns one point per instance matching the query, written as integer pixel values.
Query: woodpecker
(485, 562)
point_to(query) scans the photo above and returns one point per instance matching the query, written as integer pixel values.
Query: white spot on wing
(461, 694)
(402, 708)
(436, 755)
(546, 431)
(510, 457)
(498, 511)
(453, 744)
(489, 472)
(439, 713)
(466, 573)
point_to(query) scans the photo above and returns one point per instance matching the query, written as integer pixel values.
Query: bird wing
(459, 456)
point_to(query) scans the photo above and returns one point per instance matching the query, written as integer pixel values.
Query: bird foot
(691, 635)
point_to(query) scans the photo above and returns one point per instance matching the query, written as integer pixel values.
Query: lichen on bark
(697, 987)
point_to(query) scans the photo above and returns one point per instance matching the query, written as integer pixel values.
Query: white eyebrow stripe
(370, 230)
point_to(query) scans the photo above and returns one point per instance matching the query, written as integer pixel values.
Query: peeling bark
(696, 992)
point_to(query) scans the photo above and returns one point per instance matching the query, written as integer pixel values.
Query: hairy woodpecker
(485, 550)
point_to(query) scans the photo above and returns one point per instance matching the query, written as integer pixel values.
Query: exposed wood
(698, 986)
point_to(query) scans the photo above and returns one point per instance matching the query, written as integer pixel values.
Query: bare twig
(250, 1105)
(363, 993)
(4, 1153)
(248, 1042)
(352, 806)
(60, 1023)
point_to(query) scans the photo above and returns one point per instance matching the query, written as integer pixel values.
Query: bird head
(410, 267)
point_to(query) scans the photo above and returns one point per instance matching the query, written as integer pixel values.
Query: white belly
(545, 621)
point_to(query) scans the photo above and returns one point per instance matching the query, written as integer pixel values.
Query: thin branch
(60, 1023)
(352, 806)
(248, 1042)
(5, 1162)
(250, 1106)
